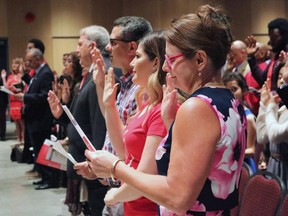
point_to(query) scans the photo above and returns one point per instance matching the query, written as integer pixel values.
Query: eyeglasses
(112, 41)
(171, 60)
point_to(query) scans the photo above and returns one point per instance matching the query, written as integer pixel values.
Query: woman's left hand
(110, 197)
(84, 170)
(100, 162)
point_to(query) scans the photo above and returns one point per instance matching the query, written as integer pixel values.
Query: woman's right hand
(169, 105)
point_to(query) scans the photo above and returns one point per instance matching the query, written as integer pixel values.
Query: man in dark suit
(3, 108)
(86, 110)
(27, 76)
(38, 116)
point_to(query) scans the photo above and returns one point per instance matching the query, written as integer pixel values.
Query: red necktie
(83, 80)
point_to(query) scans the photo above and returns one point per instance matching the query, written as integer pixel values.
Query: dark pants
(27, 153)
(37, 139)
(96, 194)
(3, 108)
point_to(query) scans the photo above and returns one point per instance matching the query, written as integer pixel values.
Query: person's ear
(156, 64)
(93, 44)
(132, 47)
(201, 58)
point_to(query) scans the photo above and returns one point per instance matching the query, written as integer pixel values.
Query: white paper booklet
(78, 128)
(59, 148)
(4, 89)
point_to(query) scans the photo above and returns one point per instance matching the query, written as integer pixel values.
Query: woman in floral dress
(200, 161)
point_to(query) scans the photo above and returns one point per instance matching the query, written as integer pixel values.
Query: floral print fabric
(220, 191)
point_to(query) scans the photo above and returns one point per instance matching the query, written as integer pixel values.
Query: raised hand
(3, 74)
(282, 56)
(285, 72)
(55, 85)
(110, 89)
(169, 102)
(250, 42)
(66, 94)
(55, 105)
(99, 67)
(268, 96)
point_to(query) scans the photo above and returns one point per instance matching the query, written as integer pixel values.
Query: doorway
(4, 54)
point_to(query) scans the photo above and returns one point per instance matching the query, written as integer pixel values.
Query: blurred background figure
(272, 127)
(238, 56)
(238, 86)
(3, 106)
(15, 84)
(252, 97)
(65, 61)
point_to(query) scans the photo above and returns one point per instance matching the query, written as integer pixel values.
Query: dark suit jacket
(3, 97)
(86, 111)
(37, 114)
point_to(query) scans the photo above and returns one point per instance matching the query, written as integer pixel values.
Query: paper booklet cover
(53, 154)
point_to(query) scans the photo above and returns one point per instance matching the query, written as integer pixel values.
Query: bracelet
(112, 170)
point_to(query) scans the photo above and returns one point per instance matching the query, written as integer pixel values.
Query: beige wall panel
(69, 16)
(150, 10)
(61, 46)
(20, 31)
(61, 19)
(3, 18)
(104, 12)
(161, 12)
(170, 9)
(240, 13)
(266, 11)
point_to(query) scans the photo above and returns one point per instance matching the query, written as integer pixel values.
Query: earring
(199, 74)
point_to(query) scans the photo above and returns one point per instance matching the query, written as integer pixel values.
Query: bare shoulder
(195, 107)
(196, 117)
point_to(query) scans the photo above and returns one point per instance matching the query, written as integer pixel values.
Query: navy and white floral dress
(220, 191)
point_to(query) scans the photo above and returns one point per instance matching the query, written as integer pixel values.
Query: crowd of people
(146, 101)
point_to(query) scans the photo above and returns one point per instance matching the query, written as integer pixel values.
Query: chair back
(246, 173)
(283, 210)
(262, 195)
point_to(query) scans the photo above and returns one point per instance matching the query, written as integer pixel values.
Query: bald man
(239, 57)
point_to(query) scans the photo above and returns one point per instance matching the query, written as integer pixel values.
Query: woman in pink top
(145, 130)
(15, 84)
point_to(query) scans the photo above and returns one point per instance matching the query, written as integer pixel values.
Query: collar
(91, 68)
(38, 69)
(126, 80)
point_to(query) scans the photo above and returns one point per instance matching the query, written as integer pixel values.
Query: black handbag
(17, 153)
